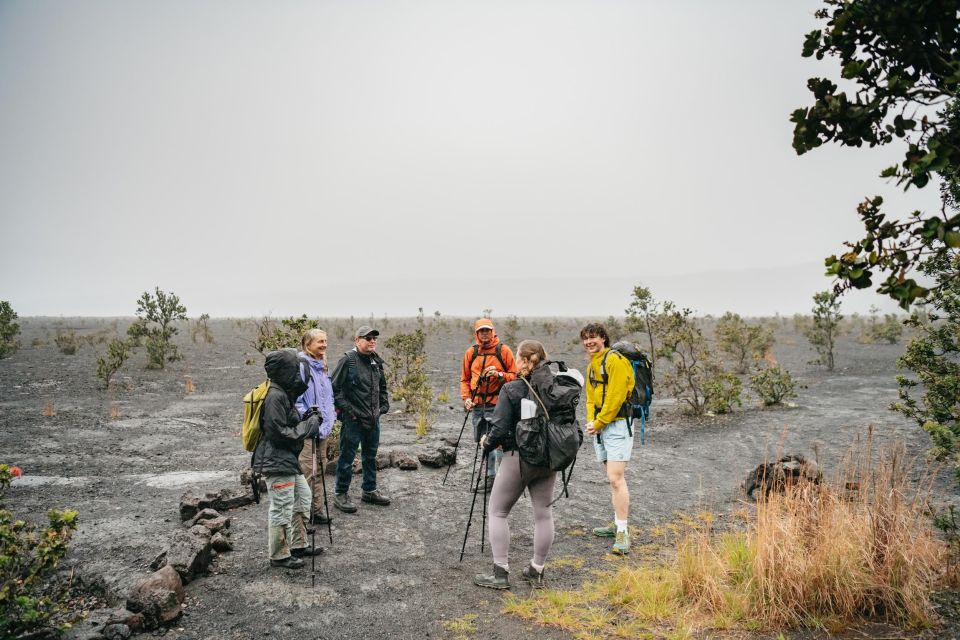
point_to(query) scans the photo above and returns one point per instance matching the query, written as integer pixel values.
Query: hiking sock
(621, 525)
(538, 567)
(505, 565)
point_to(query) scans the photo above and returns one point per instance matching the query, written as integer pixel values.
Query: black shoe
(375, 497)
(534, 577)
(321, 518)
(306, 552)
(288, 563)
(343, 502)
(500, 579)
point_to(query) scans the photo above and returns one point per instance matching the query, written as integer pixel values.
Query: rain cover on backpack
(252, 413)
(553, 436)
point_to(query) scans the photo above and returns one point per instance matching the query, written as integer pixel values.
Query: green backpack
(253, 415)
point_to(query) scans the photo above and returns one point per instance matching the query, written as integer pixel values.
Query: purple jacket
(319, 393)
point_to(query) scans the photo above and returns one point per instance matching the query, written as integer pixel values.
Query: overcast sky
(356, 157)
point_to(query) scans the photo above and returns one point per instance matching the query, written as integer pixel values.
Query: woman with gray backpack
(518, 404)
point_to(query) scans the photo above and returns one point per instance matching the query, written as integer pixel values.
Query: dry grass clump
(821, 556)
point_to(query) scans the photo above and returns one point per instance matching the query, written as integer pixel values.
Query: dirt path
(392, 572)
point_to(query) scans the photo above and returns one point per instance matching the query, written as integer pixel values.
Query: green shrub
(8, 329)
(200, 330)
(697, 379)
(933, 357)
(27, 559)
(823, 331)
(889, 330)
(773, 385)
(68, 343)
(742, 341)
(721, 391)
(408, 379)
(287, 335)
(156, 315)
(117, 353)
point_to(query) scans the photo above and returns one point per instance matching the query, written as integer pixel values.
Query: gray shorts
(614, 442)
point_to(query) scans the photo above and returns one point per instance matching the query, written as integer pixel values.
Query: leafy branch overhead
(903, 60)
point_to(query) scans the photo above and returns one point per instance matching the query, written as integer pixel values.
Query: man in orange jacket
(487, 365)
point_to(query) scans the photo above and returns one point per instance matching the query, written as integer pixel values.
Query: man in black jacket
(360, 395)
(276, 457)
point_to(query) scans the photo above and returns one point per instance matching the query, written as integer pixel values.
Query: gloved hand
(486, 445)
(313, 425)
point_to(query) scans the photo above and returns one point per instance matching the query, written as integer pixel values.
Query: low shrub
(8, 329)
(773, 385)
(117, 353)
(28, 600)
(68, 343)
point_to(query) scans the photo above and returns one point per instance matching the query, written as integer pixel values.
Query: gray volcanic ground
(394, 571)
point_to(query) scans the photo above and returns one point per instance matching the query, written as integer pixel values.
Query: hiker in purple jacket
(319, 394)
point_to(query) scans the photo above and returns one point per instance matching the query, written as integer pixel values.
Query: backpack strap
(603, 396)
(537, 396)
(498, 356)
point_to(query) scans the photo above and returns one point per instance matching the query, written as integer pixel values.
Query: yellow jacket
(620, 383)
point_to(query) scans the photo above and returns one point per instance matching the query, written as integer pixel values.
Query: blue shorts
(614, 442)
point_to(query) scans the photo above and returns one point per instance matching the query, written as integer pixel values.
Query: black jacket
(503, 423)
(283, 432)
(360, 388)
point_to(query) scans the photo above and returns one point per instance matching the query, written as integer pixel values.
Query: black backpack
(553, 436)
(638, 402)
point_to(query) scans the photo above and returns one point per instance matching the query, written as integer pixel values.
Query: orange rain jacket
(485, 391)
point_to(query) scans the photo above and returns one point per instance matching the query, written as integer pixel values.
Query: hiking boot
(375, 497)
(609, 531)
(534, 577)
(486, 486)
(306, 552)
(621, 546)
(288, 563)
(500, 579)
(343, 502)
(321, 518)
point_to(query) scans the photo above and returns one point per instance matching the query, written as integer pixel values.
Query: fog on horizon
(537, 158)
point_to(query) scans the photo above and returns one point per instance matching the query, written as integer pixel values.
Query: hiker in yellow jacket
(609, 383)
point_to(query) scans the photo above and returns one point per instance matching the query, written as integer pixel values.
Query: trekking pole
(455, 447)
(326, 506)
(473, 504)
(483, 477)
(473, 398)
(473, 467)
(313, 528)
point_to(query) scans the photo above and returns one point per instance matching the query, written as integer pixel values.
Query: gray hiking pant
(506, 491)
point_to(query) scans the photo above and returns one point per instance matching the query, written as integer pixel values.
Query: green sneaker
(499, 579)
(608, 531)
(621, 546)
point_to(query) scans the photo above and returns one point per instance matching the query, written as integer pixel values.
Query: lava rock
(224, 500)
(442, 457)
(158, 597)
(221, 543)
(205, 514)
(189, 552)
(404, 460)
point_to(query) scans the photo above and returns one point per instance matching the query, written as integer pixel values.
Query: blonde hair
(533, 351)
(310, 335)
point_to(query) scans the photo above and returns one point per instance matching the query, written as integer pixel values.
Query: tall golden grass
(826, 556)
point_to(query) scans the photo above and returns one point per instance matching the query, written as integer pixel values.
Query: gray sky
(356, 157)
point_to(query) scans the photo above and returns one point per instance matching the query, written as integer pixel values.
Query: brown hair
(595, 329)
(532, 351)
